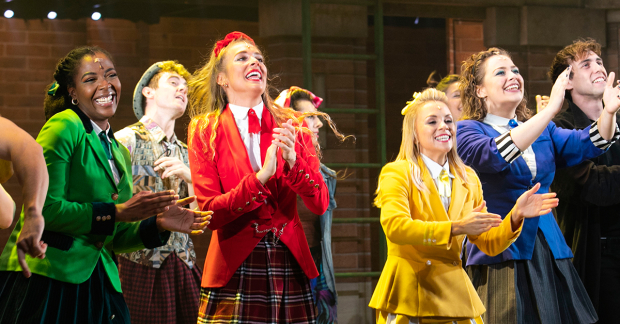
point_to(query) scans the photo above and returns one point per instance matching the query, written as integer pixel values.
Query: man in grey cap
(161, 285)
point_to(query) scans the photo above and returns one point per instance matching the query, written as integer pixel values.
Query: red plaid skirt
(268, 287)
(167, 295)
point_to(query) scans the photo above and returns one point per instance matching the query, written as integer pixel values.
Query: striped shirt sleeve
(598, 140)
(507, 149)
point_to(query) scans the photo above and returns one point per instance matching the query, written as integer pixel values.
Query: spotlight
(52, 15)
(9, 13)
(96, 15)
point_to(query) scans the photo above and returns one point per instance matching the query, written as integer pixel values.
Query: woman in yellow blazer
(429, 201)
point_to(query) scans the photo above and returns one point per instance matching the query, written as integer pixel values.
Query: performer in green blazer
(89, 210)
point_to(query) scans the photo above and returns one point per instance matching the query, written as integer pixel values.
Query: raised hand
(284, 138)
(611, 96)
(270, 165)
(556, 98)
(476, 222)
(183, 220)
(145, 204)
(29, 241)
(173, 166)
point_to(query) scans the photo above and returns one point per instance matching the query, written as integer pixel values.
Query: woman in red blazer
(249, 160)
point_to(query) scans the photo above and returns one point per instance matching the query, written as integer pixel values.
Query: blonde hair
(170, 67)
(208, 100)
(410, 147)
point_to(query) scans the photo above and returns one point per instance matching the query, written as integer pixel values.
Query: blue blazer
(504, 182)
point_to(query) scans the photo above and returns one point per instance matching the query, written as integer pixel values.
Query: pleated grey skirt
(537, 291)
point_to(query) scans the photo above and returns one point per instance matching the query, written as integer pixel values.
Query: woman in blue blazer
(533, 281)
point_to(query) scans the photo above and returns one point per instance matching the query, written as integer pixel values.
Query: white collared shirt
(500, 124)
(98, 131)
(435, 169)
(251, 141)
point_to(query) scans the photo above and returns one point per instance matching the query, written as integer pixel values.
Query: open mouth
(105, 100)
(513, 87)
(254, 75)
(599, 80)
(182, 98)
(443, 138)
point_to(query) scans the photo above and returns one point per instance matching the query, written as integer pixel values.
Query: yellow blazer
(423, 276)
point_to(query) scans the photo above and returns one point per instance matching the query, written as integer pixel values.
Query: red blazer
(228, 186)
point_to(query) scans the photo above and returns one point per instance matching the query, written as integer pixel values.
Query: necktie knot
(513, 123)
(106, 144)
(443, 186)
(253, 122)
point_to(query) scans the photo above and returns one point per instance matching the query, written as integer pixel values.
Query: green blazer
(81, 197)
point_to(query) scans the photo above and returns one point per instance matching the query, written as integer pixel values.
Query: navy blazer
(504, 182)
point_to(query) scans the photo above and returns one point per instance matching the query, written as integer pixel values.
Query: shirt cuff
(507, 148)
(150, 235)
(104, 218)
(598, 140)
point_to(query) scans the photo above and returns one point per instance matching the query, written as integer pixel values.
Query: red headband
(229, 39)
(286, 94)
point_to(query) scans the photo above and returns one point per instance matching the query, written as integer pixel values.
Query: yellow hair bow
(416, 95)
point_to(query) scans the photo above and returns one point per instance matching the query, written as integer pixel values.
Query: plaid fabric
(268, 287)
(167, 295)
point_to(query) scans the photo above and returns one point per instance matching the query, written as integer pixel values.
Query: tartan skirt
(44, 300)
(537, 291)
(168, 295)
(268, 287)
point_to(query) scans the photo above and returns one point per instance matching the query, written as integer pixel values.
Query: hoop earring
(74, 101)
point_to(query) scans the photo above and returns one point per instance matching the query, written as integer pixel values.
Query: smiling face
(454, 100)
(96, 88)
(314, 122)
(589, 77)
(435, 130)
(502, 86)
(244, 75)
(170, 97)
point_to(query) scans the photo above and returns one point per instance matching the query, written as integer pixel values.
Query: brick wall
(464, 38)
(29, 51)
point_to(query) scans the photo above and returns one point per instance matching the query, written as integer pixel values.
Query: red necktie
(253, 122)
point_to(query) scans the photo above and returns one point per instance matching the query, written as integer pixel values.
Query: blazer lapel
(432, 199)
(267, 125)
(235, 144)
(119, 160)
(459, 192)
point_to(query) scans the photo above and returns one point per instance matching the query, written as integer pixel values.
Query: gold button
(112, 317)
(311, 181)
(434, 241)
(109, 217)
(253, 198)
(428, 262)
(260, 193)
(114, 196)
(247, 203)
(307, 176)
(239, 209)
(98, 218)
(99, 245)
(316, 185)
(300, 171)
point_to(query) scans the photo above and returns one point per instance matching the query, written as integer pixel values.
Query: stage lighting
(52, 15)
(95, 16)
(9, 13)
